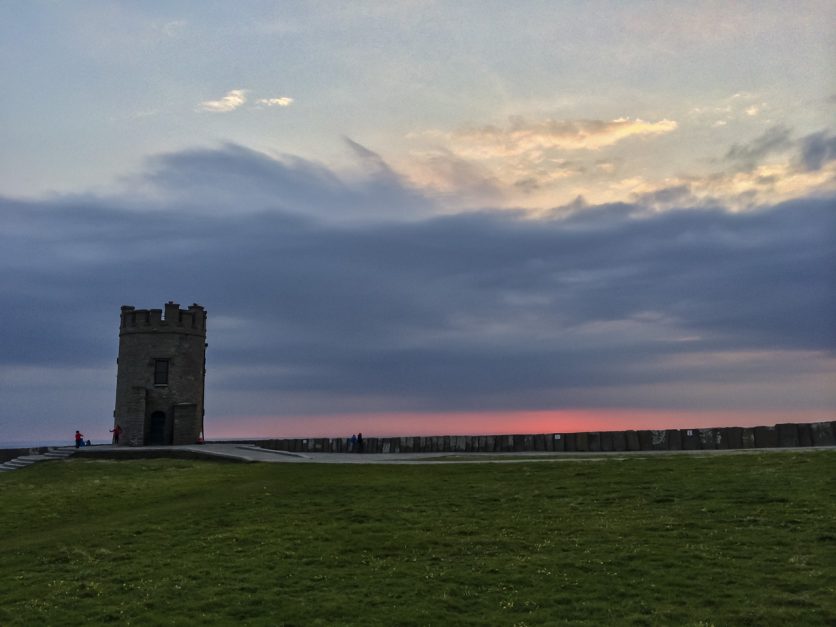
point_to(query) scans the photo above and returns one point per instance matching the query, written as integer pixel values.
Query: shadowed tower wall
(161, 374)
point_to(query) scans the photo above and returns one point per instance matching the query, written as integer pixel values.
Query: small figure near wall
(79, 439)
(116, 431)
(359, 442)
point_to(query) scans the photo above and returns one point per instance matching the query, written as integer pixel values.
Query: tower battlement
(171, 320)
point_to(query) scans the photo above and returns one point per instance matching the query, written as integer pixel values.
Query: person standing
(352, 443)
(359, 442)
(116, 431)
(79, 439)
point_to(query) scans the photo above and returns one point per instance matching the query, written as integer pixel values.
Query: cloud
(173, 28)
(236, 179)
(817, 150)
(232, 100)
(283, 101)
(774, 139)
(771, 168)
(449, 177)
(739, 106)
(522, 136)
(530, 163)
(490, 309)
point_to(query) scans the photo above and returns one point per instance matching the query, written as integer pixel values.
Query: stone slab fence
(780, 435)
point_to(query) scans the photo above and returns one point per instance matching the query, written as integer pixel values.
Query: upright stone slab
(633, 442)
(734, 437)
(766, 437)
(558, 442)
(823, 434)
(805, 435)
(539, 442)
(645, 440)
(569, 442)
(747, 437)
(659, 439)
(619, 441)
(582, 441)
(594, 441)
(787, 434)
(674, 439)
(708, 440)
(721, 437)
(690, 439)
(607, 441)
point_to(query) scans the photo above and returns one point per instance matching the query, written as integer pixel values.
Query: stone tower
(161, 373)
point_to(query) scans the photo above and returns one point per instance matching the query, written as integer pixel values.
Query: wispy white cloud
(231, 101)
(283, 101)
(527, 160)
(523, 136)
(738, 106)
(173, 28)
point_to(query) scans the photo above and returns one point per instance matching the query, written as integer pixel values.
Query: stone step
(57, 454)
(19, 463)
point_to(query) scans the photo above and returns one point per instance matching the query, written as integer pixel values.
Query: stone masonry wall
(145, 336)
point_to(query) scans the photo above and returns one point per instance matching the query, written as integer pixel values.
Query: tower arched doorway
(156, 429)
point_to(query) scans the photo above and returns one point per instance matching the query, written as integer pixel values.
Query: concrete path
(252, 453)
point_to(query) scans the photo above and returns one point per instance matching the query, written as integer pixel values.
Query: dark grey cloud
(438, 312)
(817, 150)
(774, 139)
(236, 178)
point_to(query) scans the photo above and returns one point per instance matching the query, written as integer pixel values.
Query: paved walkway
(251, 453)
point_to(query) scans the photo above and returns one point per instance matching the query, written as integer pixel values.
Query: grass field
(726, 540)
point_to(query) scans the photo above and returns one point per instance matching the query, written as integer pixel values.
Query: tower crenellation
(171, 319)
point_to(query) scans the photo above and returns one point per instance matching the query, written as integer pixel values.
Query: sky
(424, 217)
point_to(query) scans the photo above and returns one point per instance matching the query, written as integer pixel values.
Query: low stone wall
(781, 435)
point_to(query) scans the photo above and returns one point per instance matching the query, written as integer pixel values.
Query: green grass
(727, 540)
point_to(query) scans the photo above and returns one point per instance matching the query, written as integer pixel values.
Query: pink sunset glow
(492, 422)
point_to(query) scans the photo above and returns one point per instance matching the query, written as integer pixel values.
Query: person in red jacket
(79, 439)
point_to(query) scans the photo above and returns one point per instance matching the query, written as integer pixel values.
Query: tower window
(161, 372)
